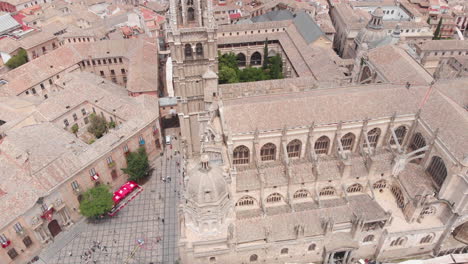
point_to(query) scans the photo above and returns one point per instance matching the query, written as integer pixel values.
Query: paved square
(151, 217)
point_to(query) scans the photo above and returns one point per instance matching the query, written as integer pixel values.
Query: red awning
(235, 16)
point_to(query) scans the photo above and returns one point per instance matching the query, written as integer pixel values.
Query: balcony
(6, 243)
(95, 177)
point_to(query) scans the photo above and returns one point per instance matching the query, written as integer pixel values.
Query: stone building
(316, 169)
(45, 167)
(349, 20)
(348, 173)
(131, 64)
(430, 53)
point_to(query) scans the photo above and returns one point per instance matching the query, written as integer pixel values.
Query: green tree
(97, 126)
(437, 32)
(17, 60)
(265, 55)
(228, 75)
(276, 67)
(74, 129)
(251, 74)
(96, 201)
(137, 165)
(229, 60)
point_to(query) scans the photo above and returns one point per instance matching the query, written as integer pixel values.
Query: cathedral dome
(370, 36)
(206, 184)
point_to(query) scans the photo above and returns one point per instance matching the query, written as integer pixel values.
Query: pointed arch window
(437, 170)
(246, 201)
(400, 199)
(190, 2)
(294, 148)
(401, 241)
(199, 49)
(327, 191)
(241, 155)
(191, 14)
(301, 194)
(241, 61)
(417, 142)
(321, 145)
(274, 198)
(347, 141)
(354, 188)
(427, 239)
(373, 137)
(188, 50)
(312, 247)
(400, 133)
(268, 152)
(256, 58)
(382, 184)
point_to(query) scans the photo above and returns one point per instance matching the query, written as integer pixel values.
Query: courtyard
(143, 232)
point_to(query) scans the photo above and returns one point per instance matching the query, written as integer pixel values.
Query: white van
(168, 140)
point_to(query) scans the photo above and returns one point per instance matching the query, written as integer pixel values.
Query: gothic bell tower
(192, 41)
(191, 35)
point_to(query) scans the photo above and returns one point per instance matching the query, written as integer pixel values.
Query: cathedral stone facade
(303, 170)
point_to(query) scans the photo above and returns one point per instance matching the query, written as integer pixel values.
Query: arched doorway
(54, 228)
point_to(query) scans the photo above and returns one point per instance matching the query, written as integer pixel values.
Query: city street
(143, 232)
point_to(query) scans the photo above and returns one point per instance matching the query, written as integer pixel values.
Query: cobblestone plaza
(150, 218)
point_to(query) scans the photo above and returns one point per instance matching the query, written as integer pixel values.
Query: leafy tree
(228, 75)
(229, 60)
(137, 165)
(229, 72)
(74, 129)
(96, 201)
(276, 67)
(265, 55)
(251, 74)
(98, 125)
(437, 33)
(17, 60)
